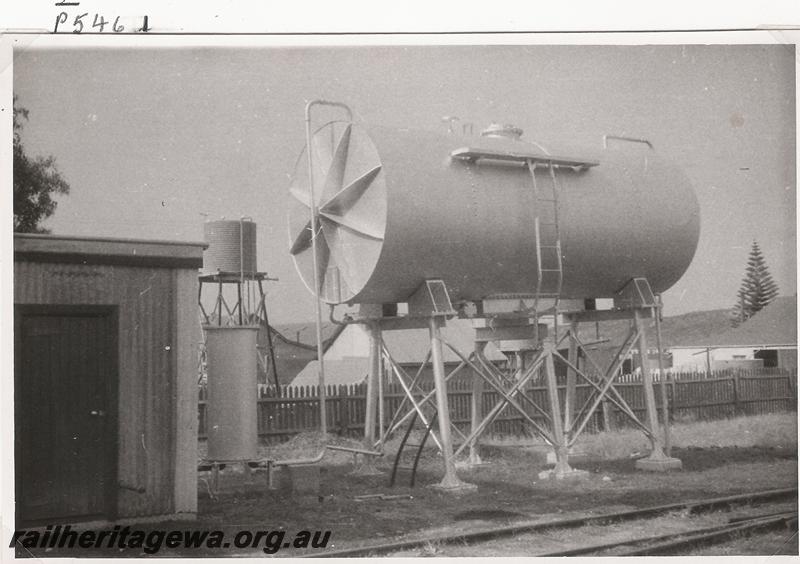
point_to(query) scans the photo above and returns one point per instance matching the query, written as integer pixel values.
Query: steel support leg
(559, 440)
(477, 409)
(569, 402)
(450, 482)
(366, 464)
(657, 459)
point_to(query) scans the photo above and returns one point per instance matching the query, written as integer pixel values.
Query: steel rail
(692, 507)
(661, 545)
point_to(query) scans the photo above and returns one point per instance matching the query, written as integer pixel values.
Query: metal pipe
(380, 401)
(372, 382)
(323, 412)
(625, 138)
(301, 461)
(355, 450)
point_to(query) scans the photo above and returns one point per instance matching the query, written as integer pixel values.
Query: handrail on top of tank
(625, 138)
(320, 102)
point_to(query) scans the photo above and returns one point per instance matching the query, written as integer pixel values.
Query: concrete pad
(659, 464)
(456, 488)
(563, 475)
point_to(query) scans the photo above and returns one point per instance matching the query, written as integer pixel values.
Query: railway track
(676, 543)
(673, 543)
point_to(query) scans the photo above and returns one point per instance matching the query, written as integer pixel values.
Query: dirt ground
(508, 489)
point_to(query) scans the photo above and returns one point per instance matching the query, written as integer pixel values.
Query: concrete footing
(659, 464)
(454, 486)
(471, 463)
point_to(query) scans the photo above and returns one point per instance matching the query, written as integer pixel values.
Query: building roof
(773, 326)
(407, 346)
(410, 346)
(345, 371)
(103, 250)
(305, 333)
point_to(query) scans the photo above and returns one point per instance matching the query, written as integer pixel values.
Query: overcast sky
(151, 139)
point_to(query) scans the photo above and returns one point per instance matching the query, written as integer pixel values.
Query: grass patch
(774, 430)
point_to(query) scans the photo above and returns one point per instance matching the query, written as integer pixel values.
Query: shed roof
(103, 250)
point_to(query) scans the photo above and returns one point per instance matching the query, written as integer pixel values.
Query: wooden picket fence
(690, 396)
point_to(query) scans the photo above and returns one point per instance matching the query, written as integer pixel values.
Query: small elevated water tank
(231, 247)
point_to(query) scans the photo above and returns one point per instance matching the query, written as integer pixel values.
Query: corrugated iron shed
(106, 335)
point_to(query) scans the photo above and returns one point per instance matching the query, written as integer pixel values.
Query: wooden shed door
(65, 372)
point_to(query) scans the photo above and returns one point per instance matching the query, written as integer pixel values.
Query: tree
(757, 290)
(36, 181)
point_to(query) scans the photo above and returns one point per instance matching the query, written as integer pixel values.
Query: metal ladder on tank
(549, 267)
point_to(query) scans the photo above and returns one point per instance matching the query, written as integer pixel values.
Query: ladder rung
(401, 467)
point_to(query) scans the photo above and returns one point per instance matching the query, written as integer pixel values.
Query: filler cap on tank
(506, 131)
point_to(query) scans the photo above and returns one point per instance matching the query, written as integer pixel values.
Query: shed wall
(157, 440)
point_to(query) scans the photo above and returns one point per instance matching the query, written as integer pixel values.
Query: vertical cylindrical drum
(231, 247)
(231, 419)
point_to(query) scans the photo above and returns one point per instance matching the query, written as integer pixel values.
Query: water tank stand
(563, 420)
(248, 289)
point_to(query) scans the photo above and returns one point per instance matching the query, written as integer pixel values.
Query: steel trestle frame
(554, 419)
(507, 399)
(603, 388)
(417, 406)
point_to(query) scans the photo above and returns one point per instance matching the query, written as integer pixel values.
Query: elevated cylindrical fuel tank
(231, 418)
(396, 207)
